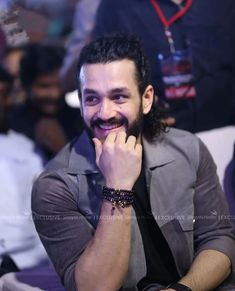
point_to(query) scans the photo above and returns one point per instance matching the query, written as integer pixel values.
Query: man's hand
(119, 160)
(169, 121)
(108, 252)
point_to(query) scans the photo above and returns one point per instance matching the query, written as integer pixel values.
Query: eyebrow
(89, 91)
(113, 91)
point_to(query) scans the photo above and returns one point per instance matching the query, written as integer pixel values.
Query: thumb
(98, 148)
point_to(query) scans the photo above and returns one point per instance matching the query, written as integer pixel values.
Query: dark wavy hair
(117, 47)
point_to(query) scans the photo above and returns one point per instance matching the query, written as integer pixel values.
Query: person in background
(44, 116)
(191, 45)
(83, 23)
(20, 246)
(134, 205)
(11, 61)
(2, 43)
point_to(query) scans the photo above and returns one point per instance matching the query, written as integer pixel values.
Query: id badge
(177, 75)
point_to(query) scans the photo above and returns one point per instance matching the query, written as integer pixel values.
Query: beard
(134, 128)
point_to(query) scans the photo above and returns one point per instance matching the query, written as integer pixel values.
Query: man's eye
(91, 100)
(119, 97)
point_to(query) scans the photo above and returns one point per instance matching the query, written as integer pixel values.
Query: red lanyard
(167, 23)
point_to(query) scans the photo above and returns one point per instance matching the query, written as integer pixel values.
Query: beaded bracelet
(118, 197)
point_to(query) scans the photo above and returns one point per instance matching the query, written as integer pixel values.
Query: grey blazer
(185, 196)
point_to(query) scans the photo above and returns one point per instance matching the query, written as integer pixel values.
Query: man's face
(110, 100)
(46, 93)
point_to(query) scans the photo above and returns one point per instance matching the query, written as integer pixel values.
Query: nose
(106, 110)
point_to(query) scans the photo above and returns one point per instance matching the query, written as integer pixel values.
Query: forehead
(47, 78)
(115, 74)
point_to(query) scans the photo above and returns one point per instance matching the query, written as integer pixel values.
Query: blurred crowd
(38, 69)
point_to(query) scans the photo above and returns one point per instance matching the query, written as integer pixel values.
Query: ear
(147, 99)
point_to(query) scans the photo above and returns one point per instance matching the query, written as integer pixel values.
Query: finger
(139, 149)
(98, 148)
(110, 138)
(169, 121)
(121, 137)
(131, 142)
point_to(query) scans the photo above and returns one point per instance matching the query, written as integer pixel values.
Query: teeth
(108, 127)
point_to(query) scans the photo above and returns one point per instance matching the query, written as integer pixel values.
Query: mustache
(114, 120)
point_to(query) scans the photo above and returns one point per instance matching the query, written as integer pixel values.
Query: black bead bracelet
(118, 197)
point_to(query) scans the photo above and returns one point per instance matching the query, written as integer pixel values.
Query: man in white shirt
(19, 167)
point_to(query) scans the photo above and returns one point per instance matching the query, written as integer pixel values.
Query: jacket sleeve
(213, 228)
(63, 230)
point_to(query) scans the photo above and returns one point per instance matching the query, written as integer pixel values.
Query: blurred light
(72, 99)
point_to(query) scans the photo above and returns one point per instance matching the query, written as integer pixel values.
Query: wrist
(118, 185)
(118, 197)
(179, 287)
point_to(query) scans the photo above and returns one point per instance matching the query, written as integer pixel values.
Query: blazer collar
(82, 156)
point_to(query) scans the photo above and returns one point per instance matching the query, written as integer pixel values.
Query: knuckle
(119, 147)
(107, 147)
(122, 133)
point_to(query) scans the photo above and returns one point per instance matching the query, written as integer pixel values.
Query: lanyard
(168, 23)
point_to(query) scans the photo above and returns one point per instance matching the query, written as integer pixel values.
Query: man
(20, 246)
(44, 116)
(83, 23)
(164, 225)
(201, 39)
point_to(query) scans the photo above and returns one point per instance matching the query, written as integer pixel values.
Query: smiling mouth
(109, 126)
(103, 127)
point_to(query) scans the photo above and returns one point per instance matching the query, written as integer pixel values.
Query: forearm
(104, 263)
(209, 269)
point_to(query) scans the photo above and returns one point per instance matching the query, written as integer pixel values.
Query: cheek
(39, 93)
(87, 114)
(134, 112)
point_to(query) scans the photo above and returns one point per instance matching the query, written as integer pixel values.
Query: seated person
(135, 206)
(20, 246)
(44, 116)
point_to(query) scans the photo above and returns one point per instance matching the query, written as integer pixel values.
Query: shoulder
(55, 183)
(59, 182)
(55, 189)
(175, 151)
(175, 135)
(26, 144)
(181, 140)
(176, 144)
(61, 160)
(18, 145)
(186, 145)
